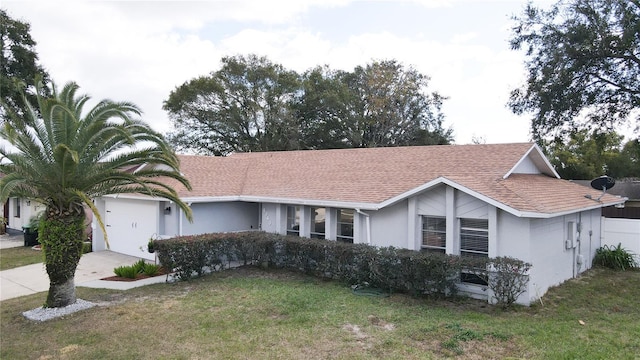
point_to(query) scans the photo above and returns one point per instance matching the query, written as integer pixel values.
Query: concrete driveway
(31, 279)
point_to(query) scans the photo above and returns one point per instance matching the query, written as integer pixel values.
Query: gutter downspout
(368, 224)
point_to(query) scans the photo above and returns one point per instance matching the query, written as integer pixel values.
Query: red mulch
(138, 277)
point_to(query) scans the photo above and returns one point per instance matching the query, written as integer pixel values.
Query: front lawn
(20, 256)
(251, 313)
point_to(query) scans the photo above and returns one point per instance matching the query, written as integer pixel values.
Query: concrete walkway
(31, 279)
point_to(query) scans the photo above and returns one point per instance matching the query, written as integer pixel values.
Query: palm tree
(63, 157)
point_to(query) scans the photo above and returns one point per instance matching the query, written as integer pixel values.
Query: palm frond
(63, 155)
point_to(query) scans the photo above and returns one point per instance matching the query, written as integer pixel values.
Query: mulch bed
(138, 277)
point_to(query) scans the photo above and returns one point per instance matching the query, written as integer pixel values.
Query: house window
(317, 222)
(345, 225)
(474, 241)
(17, 207)
(293, 220)
(434, 234)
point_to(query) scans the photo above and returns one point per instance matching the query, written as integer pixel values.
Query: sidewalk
(93, 266)
(13, 238)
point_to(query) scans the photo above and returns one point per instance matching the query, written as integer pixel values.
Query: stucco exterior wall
(514, 236)
(169, 216)
(562, 248)
(98, 242)
(271, 218)
(221, 217)
(389, 226)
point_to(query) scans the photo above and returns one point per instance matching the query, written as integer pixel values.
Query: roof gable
(533, 162)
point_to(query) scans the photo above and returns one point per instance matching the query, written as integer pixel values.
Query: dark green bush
(387, 268)
(616, 258)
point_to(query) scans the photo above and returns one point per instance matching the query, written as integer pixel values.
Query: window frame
(466, 277)
(477, 232)
(339, 236)
(442, 233)
(17, 207)
(294, 220)
(313, 223)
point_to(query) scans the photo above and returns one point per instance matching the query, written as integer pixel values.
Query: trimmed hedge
(388, 268)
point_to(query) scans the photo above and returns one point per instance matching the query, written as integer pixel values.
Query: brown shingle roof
(376, 175)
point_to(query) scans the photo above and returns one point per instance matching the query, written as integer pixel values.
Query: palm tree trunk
(61, 295)
(61, 235)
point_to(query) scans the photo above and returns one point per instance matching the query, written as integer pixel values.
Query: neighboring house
(20, 211)
(469, 200)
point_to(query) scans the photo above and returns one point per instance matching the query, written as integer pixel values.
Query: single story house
(469, 200)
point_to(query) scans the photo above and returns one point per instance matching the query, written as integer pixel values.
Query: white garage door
(130, 224)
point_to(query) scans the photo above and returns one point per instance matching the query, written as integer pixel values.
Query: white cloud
(140, 51)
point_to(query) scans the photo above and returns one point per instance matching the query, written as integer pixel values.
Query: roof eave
(490, 201)
(572, 211)
(285, 201)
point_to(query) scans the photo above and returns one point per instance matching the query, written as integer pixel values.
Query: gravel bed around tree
(44, 314)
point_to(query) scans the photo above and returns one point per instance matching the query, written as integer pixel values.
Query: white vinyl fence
(622, 231)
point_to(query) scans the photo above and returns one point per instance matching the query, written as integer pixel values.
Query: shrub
(616, 258)
(388, 268)
(151, 269)
(508, 280)
(129, 272)
(139, 266)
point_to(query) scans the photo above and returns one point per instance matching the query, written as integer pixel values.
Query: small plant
(460, 335)
(152, 269)
(616, 258)
(128, 272)
(150, 247)
(139, 266)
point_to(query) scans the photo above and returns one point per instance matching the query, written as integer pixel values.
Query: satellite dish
(603, 183)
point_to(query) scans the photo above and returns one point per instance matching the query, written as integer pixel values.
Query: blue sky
(140, 51)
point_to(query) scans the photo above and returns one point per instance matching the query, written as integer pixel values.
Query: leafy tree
(18, 65)
(324, 110)
(584, 155)
(65, 158)
(627, 163)
(251, 104)
(583, 65)
(392, 107)
(244, 106)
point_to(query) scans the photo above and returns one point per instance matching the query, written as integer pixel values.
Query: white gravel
(44, 314)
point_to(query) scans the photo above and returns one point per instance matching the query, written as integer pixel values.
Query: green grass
(20, 256)
(250, 313)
